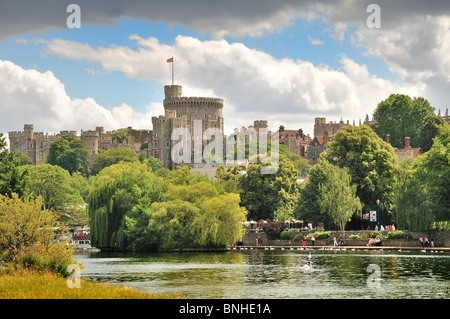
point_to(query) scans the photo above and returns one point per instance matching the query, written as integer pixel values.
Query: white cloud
(315, 41)
(29, 96)
(254, 84)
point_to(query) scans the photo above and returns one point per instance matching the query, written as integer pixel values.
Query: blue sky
(302, 67)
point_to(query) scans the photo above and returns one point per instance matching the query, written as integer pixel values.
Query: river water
(277, 274)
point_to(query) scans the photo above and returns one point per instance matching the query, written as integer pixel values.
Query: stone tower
(181, 112)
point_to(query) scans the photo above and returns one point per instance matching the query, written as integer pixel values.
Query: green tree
(196, 215)
(228, 178)
(400, 116)
(112, 156)
(69, 153)
(434, 170)
(338, 198)
(24, 225)
(428, 131)
(263, 194)
(113, 194)
(120, 135)
(412, 208)
(54, 185)
(11, 178)
(308, 203)
(21, 159)
(371, 163)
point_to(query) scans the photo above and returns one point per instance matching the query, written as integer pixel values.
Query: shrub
(55, 257)
(322, 234)
(287, 235)
(397, 234)
(354, 236)
(443, 225)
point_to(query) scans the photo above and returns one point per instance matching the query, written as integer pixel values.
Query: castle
(37, 144)
(181, 112)
(187, 112)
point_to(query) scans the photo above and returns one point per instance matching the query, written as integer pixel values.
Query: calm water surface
(277, 274)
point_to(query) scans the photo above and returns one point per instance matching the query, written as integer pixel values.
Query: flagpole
(173, 65)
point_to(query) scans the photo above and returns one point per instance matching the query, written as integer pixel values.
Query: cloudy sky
(282, 61)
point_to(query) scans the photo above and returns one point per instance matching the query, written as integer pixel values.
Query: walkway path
(375, 248)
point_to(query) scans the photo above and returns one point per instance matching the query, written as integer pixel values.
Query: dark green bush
(287, 235)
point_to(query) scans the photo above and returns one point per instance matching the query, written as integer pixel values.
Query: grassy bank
(27, 284)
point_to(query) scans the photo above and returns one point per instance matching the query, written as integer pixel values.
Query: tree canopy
(400, 116)
(263, 194)
(69, 153)
(112, 156)
(370, 161)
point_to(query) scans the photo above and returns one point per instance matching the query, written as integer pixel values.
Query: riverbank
(351, 248)
(27, 284)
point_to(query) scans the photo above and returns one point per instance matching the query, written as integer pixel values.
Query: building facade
(182, 112)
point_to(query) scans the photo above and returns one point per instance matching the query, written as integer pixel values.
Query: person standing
(421, 241)
(313, 240)
(335, 242)
(432, 240)
(304, 240)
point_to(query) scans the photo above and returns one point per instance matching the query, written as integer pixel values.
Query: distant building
(37, 144)
(407, 151)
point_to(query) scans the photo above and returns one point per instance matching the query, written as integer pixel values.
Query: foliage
(27, 233)
(429, 130)
(53, 257)
(322, 234)
(273, 229)
(53, 184)
(434, 171)
(21, 159)
(287, 235)
(443, 225)
(263, 194)
(371, 163)
(308, 202)
(354, 236)
(397, 234)
(120, 135)
(228, 178)
(400, 116)
(69, 153)
(338, 198)
(11, 178)
(112, 156)
(196, 215)
(113, 194)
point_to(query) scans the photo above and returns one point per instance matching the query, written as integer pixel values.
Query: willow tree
(113, 194)
(197, 215)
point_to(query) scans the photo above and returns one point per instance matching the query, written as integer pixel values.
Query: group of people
(374, 242)
(428, 242)
(259, 241)
(382, 228)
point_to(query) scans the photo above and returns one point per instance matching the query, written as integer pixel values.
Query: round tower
(172, 91)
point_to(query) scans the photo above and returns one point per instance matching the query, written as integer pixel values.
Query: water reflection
(275, 274)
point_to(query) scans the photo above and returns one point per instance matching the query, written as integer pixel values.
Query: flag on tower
(170, 60)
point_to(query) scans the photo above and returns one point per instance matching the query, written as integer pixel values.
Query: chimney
(388, 138)
(407, 142)
(325, 136)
